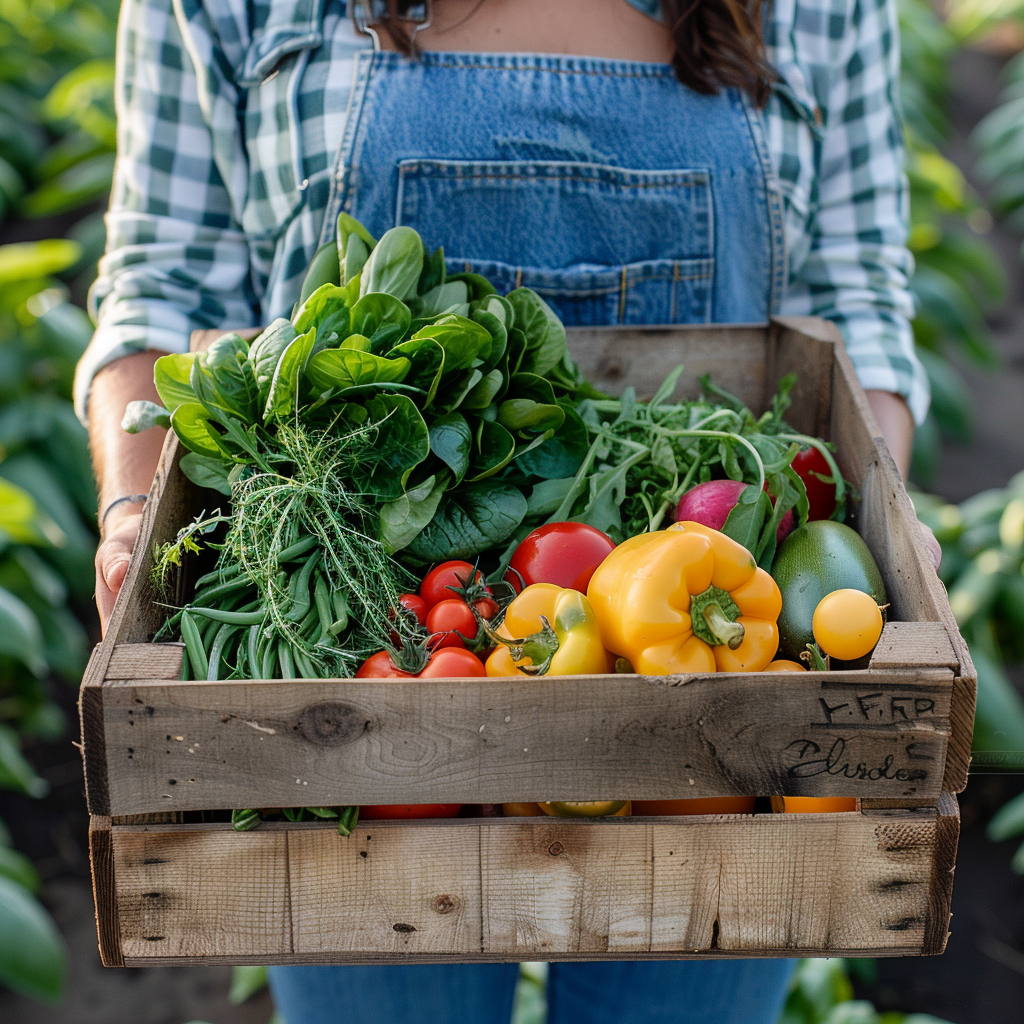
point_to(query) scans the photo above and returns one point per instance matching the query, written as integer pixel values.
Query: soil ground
(979, 980)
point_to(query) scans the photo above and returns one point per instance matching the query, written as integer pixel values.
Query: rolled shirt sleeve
(176, 258)
(854, 267)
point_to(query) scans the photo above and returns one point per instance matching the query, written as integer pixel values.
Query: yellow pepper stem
(540, 647)
(713, 615)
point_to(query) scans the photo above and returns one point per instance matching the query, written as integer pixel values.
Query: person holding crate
(633, 161)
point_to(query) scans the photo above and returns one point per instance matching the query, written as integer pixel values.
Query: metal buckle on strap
(367, 13)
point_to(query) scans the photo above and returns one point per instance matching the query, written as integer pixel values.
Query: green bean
(205, 596)
(268, 662)
(341, 612)
(322, 597)
(217, 650)
(284, 654)
(302, 602)
(290, 554)
(233, 618)
(218, 575)
(194, 645)
(306, 670)
(253, 649)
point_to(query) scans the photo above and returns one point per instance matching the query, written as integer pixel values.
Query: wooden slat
(195, 746)
(805, 347)
(145, 661)
(105, 891)
(508, 889)
(912, 644)
(889, 526)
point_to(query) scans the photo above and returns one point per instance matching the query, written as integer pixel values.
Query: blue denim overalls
(622, 197)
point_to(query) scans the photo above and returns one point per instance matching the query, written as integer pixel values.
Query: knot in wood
(556, 849)
(444, 904)
(332, 723)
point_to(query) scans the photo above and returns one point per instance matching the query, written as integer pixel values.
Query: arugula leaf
(404, 518)
(746, 521)
(545, 335)
(451, 440)
(470, 520)
(547, 495)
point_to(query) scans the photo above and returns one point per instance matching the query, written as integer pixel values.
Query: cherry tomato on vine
(565, 554)
(447, 619)
(382, 812)
(445, 663)
(449, 579)
(820, 496)
(416, 606)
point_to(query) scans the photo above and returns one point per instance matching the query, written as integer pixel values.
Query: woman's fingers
(112, 558)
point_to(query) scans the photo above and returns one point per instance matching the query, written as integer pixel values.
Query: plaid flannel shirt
(231, 113)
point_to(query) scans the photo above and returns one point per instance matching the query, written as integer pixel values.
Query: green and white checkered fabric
(231, 114)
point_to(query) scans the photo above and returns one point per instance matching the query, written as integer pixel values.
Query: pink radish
(710, 504)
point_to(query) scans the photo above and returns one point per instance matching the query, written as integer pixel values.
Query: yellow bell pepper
(548, 631)
(686, 599)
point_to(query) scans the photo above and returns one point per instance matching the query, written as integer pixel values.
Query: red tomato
(447, 619)
(381, 812)
(445, 663)
(565, 554)
(486, 608)
(416, 606)
(448, 580)
(820, 496)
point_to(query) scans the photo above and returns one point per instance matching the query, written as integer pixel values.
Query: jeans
(629, 992)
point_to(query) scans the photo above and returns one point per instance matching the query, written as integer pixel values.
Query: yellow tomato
(817, 804)
(702, 805)
(586, 808)
(847, 624)
(782, 665)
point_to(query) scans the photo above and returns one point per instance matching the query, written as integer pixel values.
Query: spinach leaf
(358, 342)
(433, 272)
(266, 350)
(561, 455)
(499, 338)
(224, 381)
(479, 286)
(470, 520)
(451, 440)
(347, 367)
(484, 392)
(427, 358)
(323, 269)
(493, 450)
(394, 265)
(171, 375)
(355, 244)
(531, 405)
(450, 297)
(402, 519)
(143, 415)
(402, 443)
(207, 472)
(284, 389)
(545, 335)
(327, 301)
(464, 342)
(455, 391)
(382, 318)
(191, 422)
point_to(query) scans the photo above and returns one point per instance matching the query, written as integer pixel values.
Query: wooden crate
(896, 735)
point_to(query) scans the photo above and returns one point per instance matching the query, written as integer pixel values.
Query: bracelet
(128, 498)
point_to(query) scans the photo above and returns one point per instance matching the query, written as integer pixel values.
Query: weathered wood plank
(104, 891)
(145, 661)
(506, 889)
(182, 893)
(195, 746)
(910, 644)
(889, 526)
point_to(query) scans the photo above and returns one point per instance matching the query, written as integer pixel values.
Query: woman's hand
(113, 556)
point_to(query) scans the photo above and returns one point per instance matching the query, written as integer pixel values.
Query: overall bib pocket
(601, 244)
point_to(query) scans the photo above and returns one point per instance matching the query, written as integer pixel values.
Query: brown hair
(718, 44)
